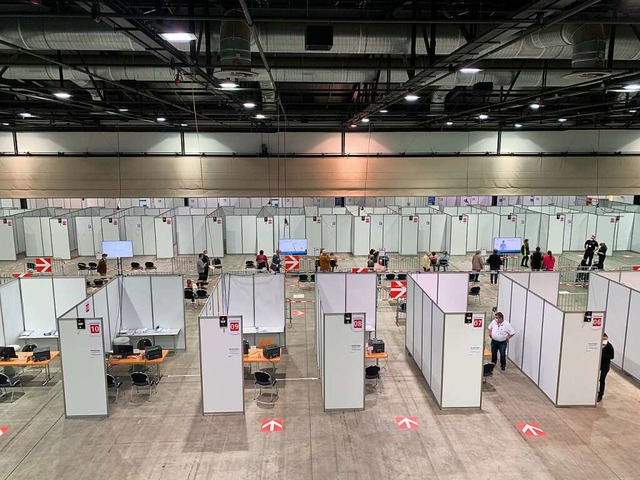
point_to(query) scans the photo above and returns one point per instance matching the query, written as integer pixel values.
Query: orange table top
(137, 359)
(376, 356)
(255, 356)
(24, 360)
(487, 352)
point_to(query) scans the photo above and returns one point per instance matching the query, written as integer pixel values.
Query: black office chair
(249, 264)
(143, 343)
(29, 347)
(142, 380)
(312, 278)
(265, 380)
(202, 294)
(82, 267)
(372, 372)
(475, 292)
(190, 295)
(261, 265)
(114, 383)
(31, 266)
(92, 266)
(487, 371)
(135, 266)
(149, 266)
(402, 276)
(7, 382)
(390, 276)
(89, 283)
(217, 264)
(98, 282)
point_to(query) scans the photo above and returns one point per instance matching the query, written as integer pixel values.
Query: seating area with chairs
(141, 380)
(267, 381)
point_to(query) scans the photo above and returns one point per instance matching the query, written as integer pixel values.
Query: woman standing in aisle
(548, 262)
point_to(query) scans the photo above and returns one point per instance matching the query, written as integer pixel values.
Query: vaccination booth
(558, 350)
(12, 240)
(618, 294)
(88, 224)
(444, 339)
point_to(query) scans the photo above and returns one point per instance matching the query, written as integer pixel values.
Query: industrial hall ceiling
(318, 65)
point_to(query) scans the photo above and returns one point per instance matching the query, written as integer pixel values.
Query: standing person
(589, 248)
(102, 265)
(548, 262)
(536, 259)
(325, 262)
(207, 263)
(476, 266)
(525, 252)
(276, 261)
(262, 261)
(500, 332)
(494, 261)
(200, 268)
(333, 261)
(433, 261)
(605, 363)
(425, 262)
(602, 254)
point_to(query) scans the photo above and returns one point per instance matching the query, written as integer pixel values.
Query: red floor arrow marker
(531, 430)
(272, 425)
(3, 430)
(407, 423)
(297, 313)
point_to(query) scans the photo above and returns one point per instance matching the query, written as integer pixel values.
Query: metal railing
(185, 264)
(573, 301)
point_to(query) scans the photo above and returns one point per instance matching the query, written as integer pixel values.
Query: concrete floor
(169, 438)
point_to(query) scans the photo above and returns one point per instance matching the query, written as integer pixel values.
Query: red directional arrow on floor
(43, 265)
(3, 430)
(291, 262)
(272, 425)
(407, 423)
(398, 289)
(531, 430)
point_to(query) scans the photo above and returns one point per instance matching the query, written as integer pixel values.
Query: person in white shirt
(500, 332)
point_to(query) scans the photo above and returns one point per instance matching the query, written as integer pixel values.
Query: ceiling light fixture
(483, 116)
(517, 125)
(161, 119)
(384, 111)
(5, 124)
(26, 115)
(410, 97)
(449, 123)
(62, 95)
(534, 106)
(260, 116)
(249, 105)
(178, 37)
(123, 110)
(634, 87)
(353, 125)
(469, 70)
(228, 85)
(633, 110)
(365, 120)
(562, 120)
(184, 124)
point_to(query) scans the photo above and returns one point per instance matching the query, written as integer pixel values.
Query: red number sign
(597, 321)
(94, 329)
(477, 323)
(357, 324)
(234, 327)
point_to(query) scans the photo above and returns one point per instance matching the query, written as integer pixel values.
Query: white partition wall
(233, 234)
(457, 234)
(84, 380)
(11, 312)
(409, 234)
(559, 351)
(343, 233)
(349, 292)
(249, 235)
(342, 367)
(164, 237)
(110, 229)
(265, 235)
(8, 246)
(314, 233)
(446, 346)
(362, 231)
(221, 366)
(215, 236)
(62, 237)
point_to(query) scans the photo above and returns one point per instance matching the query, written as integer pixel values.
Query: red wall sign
(234, 327)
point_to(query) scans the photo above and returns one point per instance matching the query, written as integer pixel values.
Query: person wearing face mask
(605, 363)
(500, 332)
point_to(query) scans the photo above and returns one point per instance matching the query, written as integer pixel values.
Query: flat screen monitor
(507, 244)
(123, 350)
(293, 246)
(113, 249)
(7, 352)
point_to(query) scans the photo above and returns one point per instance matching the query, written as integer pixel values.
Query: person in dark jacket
(524, 251)
(589, 248)
(536, 259)
(494, 261)
(605, 363)
(602, 254)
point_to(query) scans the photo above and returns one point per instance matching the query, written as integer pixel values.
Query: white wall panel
(549, 142)
(47, 241)
(67, 292)
(507, 226)
(184, 234)
(136, 302)
(233, 234)
(452, 292)
(38, 304)
(148, 235)
(632, 348)
(424, 232)
(425, 361)
(268, 300)
(7, 240)
(377, 232)
(330, 289)
(110, 229)
(532, 336)
(624, 233)
(458, 241)
(329, 232)
(412, 291)
(12, 312)
(635, 239)
(532, 228)
(391, 239)
(215, 244)
(485, 231)
(249, 235)
(264, 235)
(545, 284)
(417, 327)
(438, 242)
(141, 142)
(472, 232)
(618, 299)
(550, 351)
(630, 278)
(199, 234)
(314, 233)
(409, 142)
(361, 235)
(437, 342)
(604, 232)
(555, 235)
(33, 236)
(167, 304)
(598, 292)
(516, 303)
(344, 235)
(133, 232)
(409, 235)
(164, 237)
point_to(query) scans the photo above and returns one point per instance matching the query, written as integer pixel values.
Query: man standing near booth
(500, 332)
(589, 249)
(102, 266)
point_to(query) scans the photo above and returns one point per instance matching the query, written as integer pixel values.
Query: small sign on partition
(357, 323)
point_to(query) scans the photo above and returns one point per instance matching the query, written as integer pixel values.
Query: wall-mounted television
(507, 244)
(122, 249)
(293, 246)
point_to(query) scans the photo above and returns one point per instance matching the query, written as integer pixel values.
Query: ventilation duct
(235, 50)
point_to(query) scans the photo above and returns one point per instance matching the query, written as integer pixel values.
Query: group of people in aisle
(592, 248)
(536, 260)
(262, 262)
(431, 261)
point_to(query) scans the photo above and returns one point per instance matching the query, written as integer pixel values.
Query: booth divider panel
(168, 305)
(215, 242)
(580, 364)
(332, 291)
(592, 226)
(472, 232)
(343, 359)
(605, 232)
(532, 335)
(136, 302)
(463, 359)
(60, 245)
(629, 278)
(221, 362)
(417, 329)
(249, 235)
(133, 232)
(110, 230)
(437, 353)
(412, 291)
(625, 232)
(635, 238)
(618, 299)
(631, 362)
(19, 235)
(427, 311)
(84, 231)
(556, 235)
(264, 235)
(114, 304)
(297, 226)
(33, 236)
(409, 235)
(377, 232)
(83, 369)
(200, 235)
(361, 236)
(545, 284)
(485, 231)
(518, 310)
(101, 309)
(185, 235)
(568, 228)
(344, 236)
(391, 239)
(239, 293)
(424, 233)
(458, 244)
(47, 241)
(67, 292)
(428, 282)
(598, 292)
(269, 300)
(532, 228)
(7, 242)
(2, 338)
(164, 237)
(233, 230)
(148, 234)
(438, 241)
(504, 296)
(314, 234)
(579, 232)
(507, 226)
(552, 330)
(361, 295)
(544, 234)
(38, 303)
(12, 313)
(452, 292)
(329, 232)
